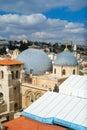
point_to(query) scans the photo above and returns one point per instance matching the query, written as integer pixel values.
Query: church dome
(35, 60)
(66, 58)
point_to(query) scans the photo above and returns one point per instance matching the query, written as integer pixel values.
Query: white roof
(75, 85)
(57, 108)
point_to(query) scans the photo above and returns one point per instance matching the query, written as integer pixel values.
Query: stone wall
(3, 107)
(68, 70)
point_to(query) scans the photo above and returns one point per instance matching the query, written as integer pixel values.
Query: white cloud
(38, 27)
(39, 6)
(72, 25)
(18, 37)
(22, 19)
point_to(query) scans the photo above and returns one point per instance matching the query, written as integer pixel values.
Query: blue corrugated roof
(57, 108)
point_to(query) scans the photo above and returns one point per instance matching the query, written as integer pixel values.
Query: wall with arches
(30, 94)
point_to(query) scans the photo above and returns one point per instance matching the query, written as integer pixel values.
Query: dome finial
(33, 45)
(66, 48)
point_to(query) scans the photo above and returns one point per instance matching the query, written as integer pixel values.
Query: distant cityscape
(47, 47)
(29, 69)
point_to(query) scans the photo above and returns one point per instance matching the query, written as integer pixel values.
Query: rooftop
(23, 123)
(56, 108)
(75, 85)
(8, 61)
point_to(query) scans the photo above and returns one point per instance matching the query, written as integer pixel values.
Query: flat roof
(57, 108)
(75, 85)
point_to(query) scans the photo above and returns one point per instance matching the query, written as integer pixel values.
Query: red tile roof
(8, 61)
(23, 123)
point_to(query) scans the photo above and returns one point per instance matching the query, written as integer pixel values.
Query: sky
(44, 20)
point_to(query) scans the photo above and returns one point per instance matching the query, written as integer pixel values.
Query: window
(16, 106)
(1, 97)
(17, 74)
(30, 96)
(37, 95)
(12, 74)
(63, 72)
(74, 71)
(54, 70)
(1, 74)
(15, 88)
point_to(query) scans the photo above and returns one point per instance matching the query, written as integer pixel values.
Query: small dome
(66, 58)
(35, 60)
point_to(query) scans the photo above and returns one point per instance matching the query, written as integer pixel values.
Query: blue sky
(65, 14)
(48, 20)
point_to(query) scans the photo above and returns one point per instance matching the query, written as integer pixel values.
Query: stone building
(36, 63)
(65, 64)
(41, 75)
(24, 80)
(11, 72)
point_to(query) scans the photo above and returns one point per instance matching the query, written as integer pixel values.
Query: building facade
(42, 78)
(65, 64)
(11, 72)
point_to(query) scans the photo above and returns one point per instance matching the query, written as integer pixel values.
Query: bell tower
(11, 72)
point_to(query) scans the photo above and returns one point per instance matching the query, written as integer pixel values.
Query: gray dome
(35, 60)
(66, 58)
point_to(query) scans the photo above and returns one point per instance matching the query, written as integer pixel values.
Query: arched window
(17, 74)
(30, 96)
(63, 72)
(37, 95)
(12, 74)
(1, 97)
(74, 71)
